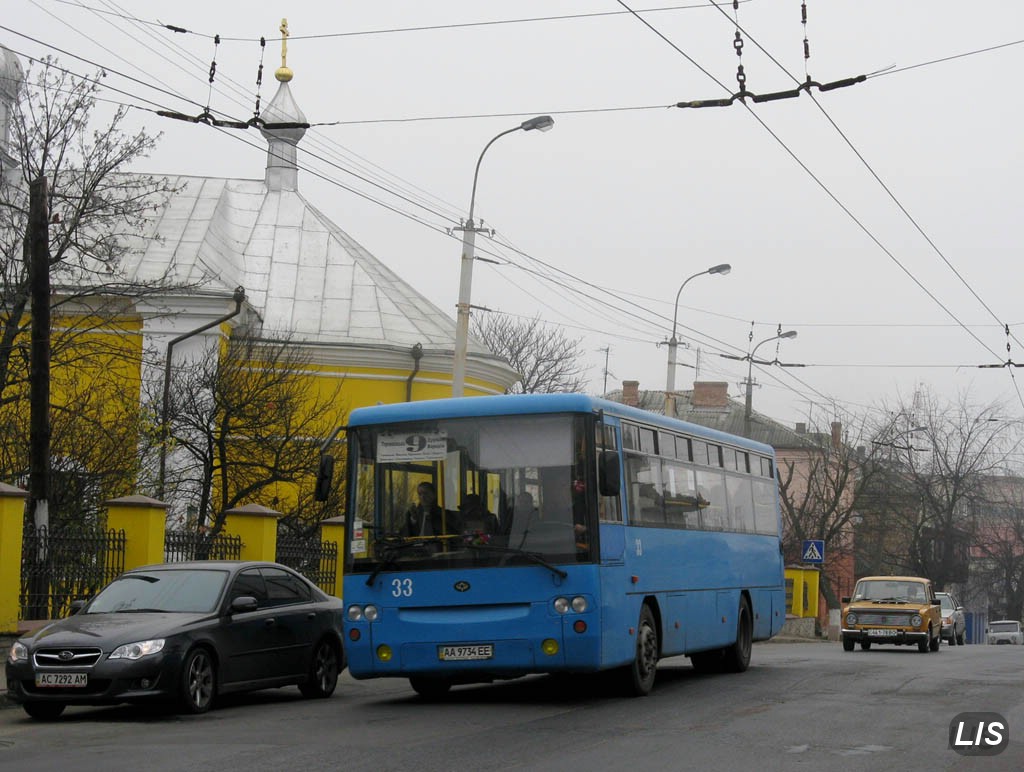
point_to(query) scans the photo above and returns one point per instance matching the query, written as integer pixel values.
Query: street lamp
(469, 231)
(673, 342)
(750, 377)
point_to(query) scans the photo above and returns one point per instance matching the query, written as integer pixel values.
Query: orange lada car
(900, 610)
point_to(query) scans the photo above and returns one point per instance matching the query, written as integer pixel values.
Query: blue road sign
(813, 551)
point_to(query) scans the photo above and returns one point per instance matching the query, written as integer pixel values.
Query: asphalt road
(800, 706)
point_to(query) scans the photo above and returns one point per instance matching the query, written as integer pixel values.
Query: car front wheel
(44, 711)
(198, 682)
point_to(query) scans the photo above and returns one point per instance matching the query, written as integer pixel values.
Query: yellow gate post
(12, 519)
(144, 522)
(257, 527)
(333, 529)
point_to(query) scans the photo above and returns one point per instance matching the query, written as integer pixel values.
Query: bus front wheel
(638, 677)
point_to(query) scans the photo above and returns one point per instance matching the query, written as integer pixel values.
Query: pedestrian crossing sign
(813, 551)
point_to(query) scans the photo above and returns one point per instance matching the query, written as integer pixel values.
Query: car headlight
(915, 621)
(138, 650)
(851, 619)
(17, 653)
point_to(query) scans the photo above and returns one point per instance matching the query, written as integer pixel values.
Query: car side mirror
(845, 599)
(77, 605)
(243, 604)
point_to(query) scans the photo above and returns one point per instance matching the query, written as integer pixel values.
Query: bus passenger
(475, 516)
(427, 518)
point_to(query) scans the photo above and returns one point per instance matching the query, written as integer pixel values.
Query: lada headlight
(851, 618)
(915, 621)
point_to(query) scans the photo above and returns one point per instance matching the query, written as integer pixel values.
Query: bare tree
(998, 561)
(94, 207)
(247, 428)
(546, 359)
(822, 486)
(942, 465)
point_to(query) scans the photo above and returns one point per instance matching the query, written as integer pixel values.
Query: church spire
(282, 167)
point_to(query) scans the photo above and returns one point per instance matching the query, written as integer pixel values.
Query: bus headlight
(851, 619)
(549, 646)
(368, 612)
(578, 605)
(384, 653)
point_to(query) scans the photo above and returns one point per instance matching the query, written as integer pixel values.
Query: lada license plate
(883, 633)
(62, 679)
(463, 652)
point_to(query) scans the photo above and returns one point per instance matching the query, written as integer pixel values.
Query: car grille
(884, 618)
(67, 657)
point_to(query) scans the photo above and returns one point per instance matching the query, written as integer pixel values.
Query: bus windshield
(476, 492)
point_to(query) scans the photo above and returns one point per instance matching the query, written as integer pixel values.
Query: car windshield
(1005, 627)
(180, 590)
(890, 591)
(945, 601)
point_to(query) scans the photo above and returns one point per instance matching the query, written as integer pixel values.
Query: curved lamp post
(673, 342)
(469, 231)
(750, 376)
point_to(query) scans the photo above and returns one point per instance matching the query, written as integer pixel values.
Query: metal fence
(60, 567)
(180, 546)
(314, 559)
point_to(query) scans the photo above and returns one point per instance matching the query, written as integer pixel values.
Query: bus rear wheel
(737, 656)
(430, 688)
(638, 677)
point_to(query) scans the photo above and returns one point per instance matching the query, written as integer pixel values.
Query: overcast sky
(880, 221)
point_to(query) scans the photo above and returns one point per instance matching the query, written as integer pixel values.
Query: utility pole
(37, 259)
(37, 255)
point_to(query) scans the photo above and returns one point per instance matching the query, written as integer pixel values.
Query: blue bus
(494, 537)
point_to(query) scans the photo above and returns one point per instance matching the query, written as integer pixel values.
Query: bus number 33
(401, 588)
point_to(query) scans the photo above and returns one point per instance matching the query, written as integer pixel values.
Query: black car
(183, 633)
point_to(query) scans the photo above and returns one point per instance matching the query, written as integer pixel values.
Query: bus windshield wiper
(532, 556)
(391, 550)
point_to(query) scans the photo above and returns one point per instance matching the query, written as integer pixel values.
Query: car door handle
(270, 622)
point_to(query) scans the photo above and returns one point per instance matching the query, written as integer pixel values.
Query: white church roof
(300, 271)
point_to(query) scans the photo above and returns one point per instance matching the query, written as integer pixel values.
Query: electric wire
(352, 190)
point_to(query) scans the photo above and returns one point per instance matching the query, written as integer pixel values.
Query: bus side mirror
(608, 473)
(323, 477)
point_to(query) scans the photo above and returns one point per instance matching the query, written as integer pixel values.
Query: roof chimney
(631, 393)
(837, 435)
(710, 394)
(801, 428)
